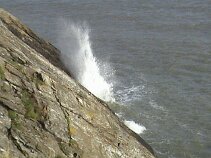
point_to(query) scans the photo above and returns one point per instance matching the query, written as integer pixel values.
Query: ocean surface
(152, 57)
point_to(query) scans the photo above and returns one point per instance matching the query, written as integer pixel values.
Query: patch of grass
(2, 76)
(12, 114)
(32, 111)
(15, 119)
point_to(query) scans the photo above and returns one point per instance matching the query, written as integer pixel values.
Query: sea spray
(77, 55)
(137, 128)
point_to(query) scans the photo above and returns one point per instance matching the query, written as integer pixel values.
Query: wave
(77, 55)
(137, 128)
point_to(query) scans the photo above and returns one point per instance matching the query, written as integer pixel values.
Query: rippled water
(161, 53)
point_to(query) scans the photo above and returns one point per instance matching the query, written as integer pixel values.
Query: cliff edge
(45, 113)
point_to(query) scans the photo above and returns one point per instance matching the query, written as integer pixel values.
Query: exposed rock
(46, 113)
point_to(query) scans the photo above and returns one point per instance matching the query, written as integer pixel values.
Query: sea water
(152, 57)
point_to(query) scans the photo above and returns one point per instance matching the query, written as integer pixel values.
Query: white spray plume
(77, 56)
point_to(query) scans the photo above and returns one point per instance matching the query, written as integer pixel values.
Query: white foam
(137, 128)
(77, 55)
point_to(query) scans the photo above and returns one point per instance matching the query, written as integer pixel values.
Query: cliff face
(45, 113)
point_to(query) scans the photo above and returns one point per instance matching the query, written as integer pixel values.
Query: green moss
(15, 120)
(2, 76)
(27, 99)
(12, 114)
(32, 111)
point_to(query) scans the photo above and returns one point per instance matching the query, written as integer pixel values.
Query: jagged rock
(46, 113)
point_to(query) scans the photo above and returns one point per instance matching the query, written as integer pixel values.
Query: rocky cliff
(45, 113)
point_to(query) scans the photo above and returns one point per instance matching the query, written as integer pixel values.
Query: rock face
(45, 113)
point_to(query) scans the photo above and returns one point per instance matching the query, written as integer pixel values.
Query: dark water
(161, 53)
